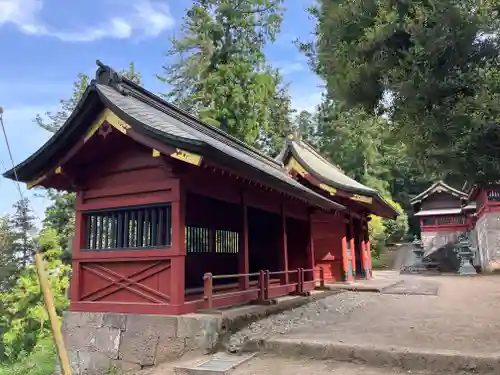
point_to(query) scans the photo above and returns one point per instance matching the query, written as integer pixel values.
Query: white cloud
(146, 18)
(307, 101)
(289, 68)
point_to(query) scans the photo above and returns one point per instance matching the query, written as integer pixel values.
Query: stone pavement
(380, 281)
(441, 323)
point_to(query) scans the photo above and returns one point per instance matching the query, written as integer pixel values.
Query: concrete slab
(381, 280)
(411, 287)
(217, 364)
(275, 365)
(404, 358)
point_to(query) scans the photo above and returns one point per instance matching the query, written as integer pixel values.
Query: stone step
(408, 359)
(269, 364)
(217, 364)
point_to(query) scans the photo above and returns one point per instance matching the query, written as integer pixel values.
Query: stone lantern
(418, 264)
(465, 254)
(418, 248)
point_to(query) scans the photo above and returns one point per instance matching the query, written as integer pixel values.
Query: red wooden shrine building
(174, 215)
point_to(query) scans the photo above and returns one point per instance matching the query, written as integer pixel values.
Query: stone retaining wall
(99, 342)
(488, 233)
(434, 240)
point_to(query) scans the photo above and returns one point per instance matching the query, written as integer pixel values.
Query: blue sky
(44, 44)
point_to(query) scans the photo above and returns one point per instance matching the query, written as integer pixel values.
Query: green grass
(41, 361)
(376, 264)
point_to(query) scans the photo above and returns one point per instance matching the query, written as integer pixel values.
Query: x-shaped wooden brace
(118, 282)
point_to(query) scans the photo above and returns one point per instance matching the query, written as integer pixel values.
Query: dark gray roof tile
(158, 120)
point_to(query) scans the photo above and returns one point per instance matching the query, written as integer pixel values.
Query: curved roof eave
(53, 145)
(329, 181)
(391, 212)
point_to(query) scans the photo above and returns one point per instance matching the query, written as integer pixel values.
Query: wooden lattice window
(144, 227)
(493, 196)
(444, 220)
(227, 242)
(197, 239)
(428, 221)
(207, 240)
(459, 220)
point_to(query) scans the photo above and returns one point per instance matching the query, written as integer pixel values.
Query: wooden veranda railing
(266, 287)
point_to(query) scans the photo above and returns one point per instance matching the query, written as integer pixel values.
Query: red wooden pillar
(311, 247)
(285, 244)
(352, 246)
(364, 259)
(78, 244)
(178, 260)
(365, 245)
(345, 257)
(243, 258)
(368, 250)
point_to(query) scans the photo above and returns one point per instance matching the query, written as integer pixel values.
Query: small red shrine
(441, 209)
(174, 215)
(444, 214)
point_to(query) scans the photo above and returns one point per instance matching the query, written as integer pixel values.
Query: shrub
(25, 311)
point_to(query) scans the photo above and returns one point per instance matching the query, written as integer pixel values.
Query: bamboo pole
(49, 305)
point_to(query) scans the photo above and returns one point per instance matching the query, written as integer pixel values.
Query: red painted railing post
(208, 289)
(266, 283)
(262, 285)
(301, 280)
(321, 277)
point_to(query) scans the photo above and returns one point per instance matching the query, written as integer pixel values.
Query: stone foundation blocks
(99, 342)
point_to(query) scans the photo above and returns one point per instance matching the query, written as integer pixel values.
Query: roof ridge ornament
(105, 75)
(294, 135)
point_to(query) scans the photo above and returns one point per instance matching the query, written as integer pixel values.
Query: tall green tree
(22, 225)
(8, 259)
(432, 67)
(59, 215)
(308, 127)
(218, 70)
(354, 140)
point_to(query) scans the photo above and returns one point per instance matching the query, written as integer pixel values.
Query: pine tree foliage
(432, 67)
(22, 225)
(218, 71)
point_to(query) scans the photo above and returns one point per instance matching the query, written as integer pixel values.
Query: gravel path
(317, 314)
(436, 313)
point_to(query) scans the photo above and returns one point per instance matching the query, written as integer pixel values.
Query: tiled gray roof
(146, 115)
(160, 121)
(330, 174)
(324, 170)
(438, 187)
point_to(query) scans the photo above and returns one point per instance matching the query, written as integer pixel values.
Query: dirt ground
(439, 314)
(450, 316)
(436, 313)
